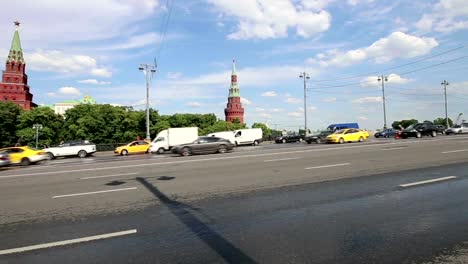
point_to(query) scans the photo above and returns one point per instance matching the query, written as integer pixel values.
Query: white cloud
(50, 23)
(277, 110)
(447, 16)
(265, 115)
(392, 79)
(58, 61)
(94, 81)
(269, 94)
(245, 101)
(265, 19)
(357, 2)
(293, 100)
(296, 114)
(174, 75)
(260, 109)
(194, 104)
(137, 41)
(363, 118)
(396, 45)
(66, 91)
(329, 100)
(368, 99)
(312, 108)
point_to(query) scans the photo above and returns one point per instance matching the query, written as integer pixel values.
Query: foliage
(441, 121)
(221, 126)
(265, 129)
(404, 123)
(8, 119)
(51, 131)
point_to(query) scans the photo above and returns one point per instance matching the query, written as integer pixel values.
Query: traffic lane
(195, 180)
(329, 222)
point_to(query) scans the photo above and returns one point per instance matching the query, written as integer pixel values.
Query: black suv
(420, 129)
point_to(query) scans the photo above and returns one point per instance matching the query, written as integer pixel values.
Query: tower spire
(16, 52)
(234, 71)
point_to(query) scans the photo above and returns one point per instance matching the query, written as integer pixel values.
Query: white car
(80, 148)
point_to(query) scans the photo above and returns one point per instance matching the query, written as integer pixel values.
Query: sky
(74, 48)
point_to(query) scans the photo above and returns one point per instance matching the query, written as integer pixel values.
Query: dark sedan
(289, 138)
(204, 145)
(386, 133)
(319, 137)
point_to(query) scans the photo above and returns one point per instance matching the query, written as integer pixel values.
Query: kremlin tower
(234, 108)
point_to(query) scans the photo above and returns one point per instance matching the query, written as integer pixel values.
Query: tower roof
(16, 52)
(234, 71)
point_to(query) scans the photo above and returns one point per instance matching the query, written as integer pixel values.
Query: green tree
(441, 121)
(265, 129)
(52, 126)
(221, 126)
(404, 123)
(8, 120)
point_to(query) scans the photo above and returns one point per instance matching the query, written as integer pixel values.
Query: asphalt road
(292, 203)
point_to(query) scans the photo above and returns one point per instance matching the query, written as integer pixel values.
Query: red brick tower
(14, 86)
(234, 109)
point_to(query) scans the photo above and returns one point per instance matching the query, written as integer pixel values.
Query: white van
(252, 136)
(168, 138)
(228, 135)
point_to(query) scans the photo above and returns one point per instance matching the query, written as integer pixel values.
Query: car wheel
(418, 135)
(50, 155)
(459, 132)
(255, 143)
(318, 141)
(308, 141)
(341, 140)
(124, 152)
(434, 134)
(284, 141)
(222, 149)
(300, 139)
(82, 154)
(160, 151)
(186, 152)
(25, 162)
(361, 139)
(376, 136)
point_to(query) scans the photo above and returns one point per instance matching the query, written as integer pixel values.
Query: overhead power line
(392, 68)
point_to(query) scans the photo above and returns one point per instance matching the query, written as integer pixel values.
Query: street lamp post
(147, 69)
(306, 77)
(37, 127)
(445, 83)
(383, 79)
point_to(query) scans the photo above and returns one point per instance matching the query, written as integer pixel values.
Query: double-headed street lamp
(147, 69)
(445, 83)
(37, 127)
(383, 79)
(305, 76)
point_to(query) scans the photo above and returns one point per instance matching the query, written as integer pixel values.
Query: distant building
(234, 109)
(14, 86)
(61, 107)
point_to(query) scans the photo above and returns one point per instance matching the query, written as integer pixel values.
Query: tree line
(101, 124)
(408, 122)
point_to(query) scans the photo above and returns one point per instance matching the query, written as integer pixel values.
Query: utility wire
(392, 68)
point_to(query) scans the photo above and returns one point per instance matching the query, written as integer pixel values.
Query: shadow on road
(215, 241)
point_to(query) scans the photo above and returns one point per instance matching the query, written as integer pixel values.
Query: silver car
(457, 129)
(4, 159)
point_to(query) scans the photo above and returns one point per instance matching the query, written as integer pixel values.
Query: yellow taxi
(138, 146)
(24, 155)
(348, 135)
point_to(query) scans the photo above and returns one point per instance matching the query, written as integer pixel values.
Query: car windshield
(457, 126)
(341, 131)
(413, 126)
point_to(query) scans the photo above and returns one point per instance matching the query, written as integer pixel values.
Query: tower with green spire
(234, 109)
(14, 86)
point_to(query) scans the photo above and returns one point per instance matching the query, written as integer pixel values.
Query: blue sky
(95, 47)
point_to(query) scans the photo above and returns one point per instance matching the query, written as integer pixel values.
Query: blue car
(390, 132)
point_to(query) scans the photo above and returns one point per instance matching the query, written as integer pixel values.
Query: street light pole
(147, 69)
(445, 83)
(37, 127)
(306, 77)
(383, 79)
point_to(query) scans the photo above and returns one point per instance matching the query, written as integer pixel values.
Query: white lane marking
(67, 242)
(281, 159)
(428, 181)
(395, 148)
(86, 193)
(454, 151)
(107, 176)
(211, 159)
(327, 166)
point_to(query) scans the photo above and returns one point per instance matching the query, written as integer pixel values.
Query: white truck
(249, 136)
(168, 138)
(80, 148)
(229, 135)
